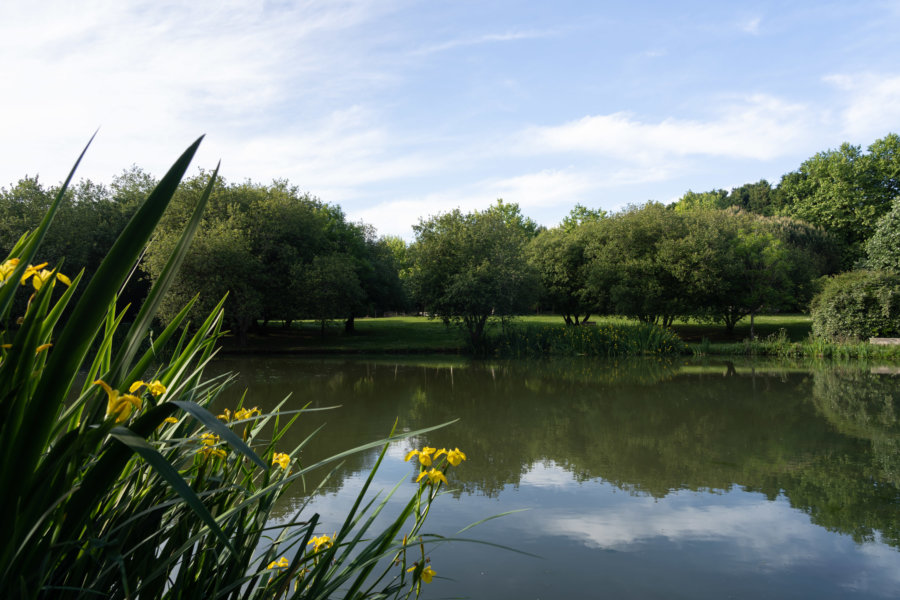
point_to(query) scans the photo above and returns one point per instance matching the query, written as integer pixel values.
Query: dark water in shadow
(643, 479)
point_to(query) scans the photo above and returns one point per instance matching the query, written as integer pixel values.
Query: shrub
(857, 305)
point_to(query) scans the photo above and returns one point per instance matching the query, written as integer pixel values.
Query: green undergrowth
(780, 345)
(610, 340)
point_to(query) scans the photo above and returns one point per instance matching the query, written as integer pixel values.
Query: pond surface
(645, 479)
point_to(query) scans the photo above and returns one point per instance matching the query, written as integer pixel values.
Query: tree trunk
(350, 324)
(752, 334)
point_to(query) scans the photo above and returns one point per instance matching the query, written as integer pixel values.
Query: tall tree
(470, 267)
(845, 191)
(558, 255)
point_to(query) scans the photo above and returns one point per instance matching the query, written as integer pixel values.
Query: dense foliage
(656, 264)
(470, 267)
(883, 248)
(858, 305)
(281, 255)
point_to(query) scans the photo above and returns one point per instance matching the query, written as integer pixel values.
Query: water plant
(116, 480)
(611, 340)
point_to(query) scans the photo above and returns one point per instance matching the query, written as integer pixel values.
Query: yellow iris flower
(208, 451)
(320, 542)
(281, 459)
(427, 572)
(209, 439)
(156, 388)
(246, 414)
(434, 477)
(7, 267)
(118, 404)
(39, 278)
(281, 563)
(455, 456)
(425, 455)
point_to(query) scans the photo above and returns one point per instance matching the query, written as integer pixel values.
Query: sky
(399, 109)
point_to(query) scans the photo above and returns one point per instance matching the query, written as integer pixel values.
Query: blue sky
(400, 109)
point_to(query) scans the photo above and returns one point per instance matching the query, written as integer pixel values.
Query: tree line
(282, 255)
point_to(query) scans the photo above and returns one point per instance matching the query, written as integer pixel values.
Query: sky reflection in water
(775, 484)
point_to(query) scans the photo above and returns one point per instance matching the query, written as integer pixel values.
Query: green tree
(280, 239)
(471, 267)
(845, 191)
(701, 201)
(883, 248)
(580, 215)
(332, 287)
(558, 255)
(630, 270)
(759, 198)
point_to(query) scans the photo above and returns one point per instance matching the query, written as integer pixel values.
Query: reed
(122, 484)
(609, 339)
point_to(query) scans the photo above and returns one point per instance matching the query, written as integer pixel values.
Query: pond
(641, 479)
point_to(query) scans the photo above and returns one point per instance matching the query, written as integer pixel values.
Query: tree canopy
(469, 267)
(846, 191)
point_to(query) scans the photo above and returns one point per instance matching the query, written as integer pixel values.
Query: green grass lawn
(422, 335)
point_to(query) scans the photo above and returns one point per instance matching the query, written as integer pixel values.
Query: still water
(644, 479)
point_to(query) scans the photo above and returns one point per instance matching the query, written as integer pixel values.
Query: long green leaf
(88, 315)
(219, 428)
(151, 304)
(168, 472)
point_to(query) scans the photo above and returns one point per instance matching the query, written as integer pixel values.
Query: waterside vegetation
(122, 484)
(711, 257)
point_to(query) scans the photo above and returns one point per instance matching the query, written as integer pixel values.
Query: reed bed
(608, 340)
(122, 484)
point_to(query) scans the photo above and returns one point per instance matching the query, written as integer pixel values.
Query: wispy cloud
(872, 105)
(145, 71)
(490, 38)
(751, 26)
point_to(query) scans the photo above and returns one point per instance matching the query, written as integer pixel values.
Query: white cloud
(751, 26)
(872, 106)
(149, 73)
(758, 526)
(547, 475)
(761, 127)
(484, 39)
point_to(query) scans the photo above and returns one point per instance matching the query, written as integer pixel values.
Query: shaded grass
(385, 335)
(783, 335)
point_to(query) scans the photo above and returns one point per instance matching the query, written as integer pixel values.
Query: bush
(857, 305)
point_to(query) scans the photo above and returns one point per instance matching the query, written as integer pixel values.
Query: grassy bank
(776, 335)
